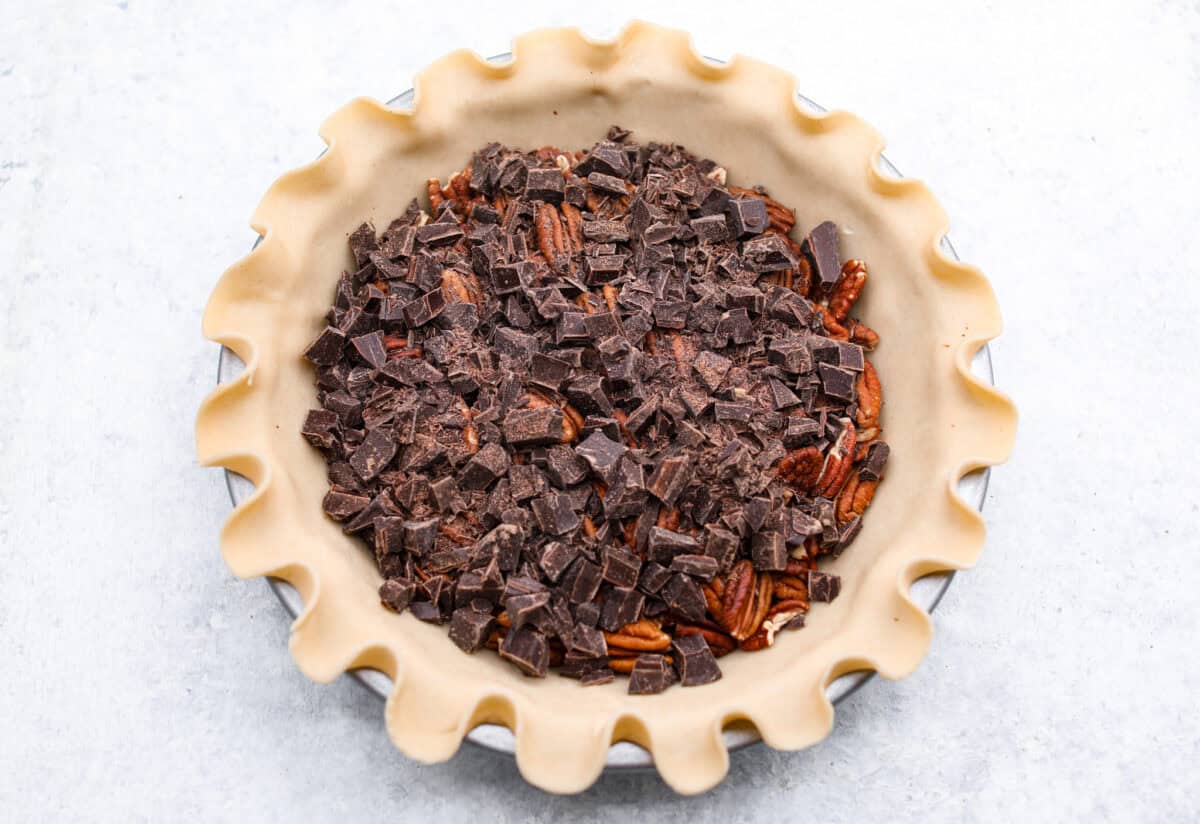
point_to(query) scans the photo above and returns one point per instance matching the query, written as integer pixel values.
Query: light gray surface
(142, 682)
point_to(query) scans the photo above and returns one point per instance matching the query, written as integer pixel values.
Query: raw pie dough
(562, 89)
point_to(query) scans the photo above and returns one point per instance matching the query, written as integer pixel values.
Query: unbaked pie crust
(560, 88)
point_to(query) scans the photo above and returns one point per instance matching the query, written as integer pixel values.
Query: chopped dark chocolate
(528, 650)
(524, 428)
(579, 389)
(396, 594)
(326, 348)
(650, 675)
(821, 246)
(694, 661)
(823, 586)
(469, 628)
(619, 566)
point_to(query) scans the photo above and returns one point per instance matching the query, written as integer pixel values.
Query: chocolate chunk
(524, 428)
(620, 567)
(396, 594)
(426, 611)
(469, 628)
(607, 184)
(800, 431)
(823, 586)
(850, 356)
(373, 454)
(664, 544)
(326, 348)
(837, 382)
(603, 268)
(371, 349)
(683, 595)
(320, 428)
(876, 460)
(605, 231)
(485, 466)
(695, 400)
(650, 675)
(513, 343)
(587, 395)
(694, 661)
(821, 246)
(511, 277)
(362, 243)
(698, 566)
(626, 490)
(341, 505)
(548, 372)
(669, 479)
(768, 551)
(420, 535)
(792, 354)
(425, 308)
(522, 608)
(722, 546)
(781, 396)
(654, 576)
(555, 557)
(596, 676)
(527, 649)
(439, 234)
(768, 253)
(564, 467)
(621, 607)
(712, 369)
(389, 536)
(583, 581)
(525, 481)
(602, 325)
(735, 325)
(588, 641)
(601, 454)
(747, 216)
(671, 314)
(544, 184)
(381, 506)
(606, 158)
(587, 613)
(445, 495)
(554, 514)
(848, 534)
(739, 412)
(710, 229)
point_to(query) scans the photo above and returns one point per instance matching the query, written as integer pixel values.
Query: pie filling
(598, 411)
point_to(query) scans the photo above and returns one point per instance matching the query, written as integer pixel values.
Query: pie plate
(944, 421)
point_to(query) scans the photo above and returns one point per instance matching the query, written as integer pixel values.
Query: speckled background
(141, 681)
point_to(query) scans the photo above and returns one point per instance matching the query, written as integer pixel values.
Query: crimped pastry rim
(263, 309)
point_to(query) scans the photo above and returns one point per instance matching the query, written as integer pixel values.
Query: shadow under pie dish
(563, 90)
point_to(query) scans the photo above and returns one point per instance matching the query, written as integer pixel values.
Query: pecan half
(551, 238)
(712, 597)
(863, 335)
(470, 434)
(833, 328)
(573, 223)
(855, 498)
(870, 397)
(791, 587)
(640, 636)
(683, 352)
(461, 288)
(747, 599)
(847, 289)
(801, 467)
(837, 463)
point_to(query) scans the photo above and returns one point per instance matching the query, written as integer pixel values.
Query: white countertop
(141, 681)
